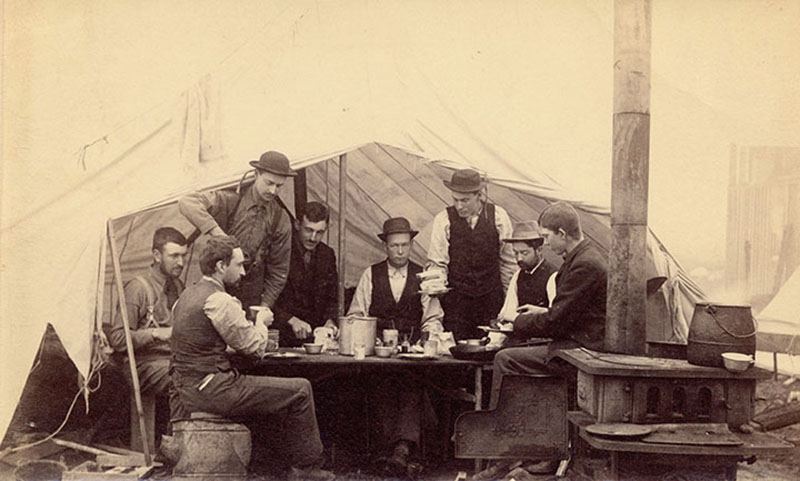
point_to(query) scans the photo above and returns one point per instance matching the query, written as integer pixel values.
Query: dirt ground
(44, 404)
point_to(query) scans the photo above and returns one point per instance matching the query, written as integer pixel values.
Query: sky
(537, 73)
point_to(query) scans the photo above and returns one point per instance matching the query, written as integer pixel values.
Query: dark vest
(406, 313)
(474, 268)
(532, 288)
(197, 347)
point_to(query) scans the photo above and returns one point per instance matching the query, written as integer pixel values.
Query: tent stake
(128, 342)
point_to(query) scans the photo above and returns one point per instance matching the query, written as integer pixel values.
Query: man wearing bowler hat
(465, 243)
(259, 222)
(528, 285)
(390, 291)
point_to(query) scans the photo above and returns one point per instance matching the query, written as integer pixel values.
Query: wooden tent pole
(342, 229)
(128, 342)
(627, 279)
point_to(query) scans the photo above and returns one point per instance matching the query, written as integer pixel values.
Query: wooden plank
(128, 342)
(608, 364)
(779, 416)
(752, 444)
(79, 447)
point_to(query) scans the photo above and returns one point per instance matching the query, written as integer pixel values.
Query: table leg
(478, 390)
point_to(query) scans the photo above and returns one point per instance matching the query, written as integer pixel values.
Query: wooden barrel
(211, 447)
(719, 328)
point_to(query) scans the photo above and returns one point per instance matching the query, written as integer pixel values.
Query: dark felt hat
(525, 231)
(275, 163)
(397, 225)
(465, 181)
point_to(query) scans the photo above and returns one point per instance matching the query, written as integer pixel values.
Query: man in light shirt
(528, 285)
(465, 243)
(389, 290)
(206, 320)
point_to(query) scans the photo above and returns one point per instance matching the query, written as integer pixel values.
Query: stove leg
(614, 466)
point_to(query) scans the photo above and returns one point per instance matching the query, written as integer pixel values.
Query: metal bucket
(212, 448)
(357, 331)
(718, 328)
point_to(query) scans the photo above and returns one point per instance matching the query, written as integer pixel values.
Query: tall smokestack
(626, 311)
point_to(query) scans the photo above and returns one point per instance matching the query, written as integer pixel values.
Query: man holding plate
(465, 243)
(528, 285)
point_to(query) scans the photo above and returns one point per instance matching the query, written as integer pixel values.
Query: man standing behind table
(389, 290)
(578, 313)
(465, 243)
(206, 321)
(257, 219)
(528, 285)
(148, 303)
(309, 299)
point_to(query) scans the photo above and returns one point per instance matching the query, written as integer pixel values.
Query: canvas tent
(310, 99)
(779, 322)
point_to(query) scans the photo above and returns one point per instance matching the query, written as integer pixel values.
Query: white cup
(391, 337)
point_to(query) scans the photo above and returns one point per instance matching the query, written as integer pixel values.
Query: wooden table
(334, 363)
(327, 365)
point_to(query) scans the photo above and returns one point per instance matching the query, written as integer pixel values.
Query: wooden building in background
(763, 232)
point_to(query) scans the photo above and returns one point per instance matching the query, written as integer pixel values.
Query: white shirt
(439, 253)
(228, 318)
(432, 313)
(509, 310)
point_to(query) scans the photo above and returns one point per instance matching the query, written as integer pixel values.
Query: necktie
(171, 291)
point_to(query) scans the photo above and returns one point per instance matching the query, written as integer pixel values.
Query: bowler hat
(274, 162)
(465, 181)
(525, 231)
(397, 225)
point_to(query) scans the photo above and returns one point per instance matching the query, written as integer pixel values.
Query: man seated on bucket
(309, 299)
(206, 320)
(148, 303)
(528, 285)
(390, 291)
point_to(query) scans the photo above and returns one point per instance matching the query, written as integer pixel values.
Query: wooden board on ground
(90, 470)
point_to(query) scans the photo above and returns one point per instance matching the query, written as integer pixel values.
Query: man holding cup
(207, 320)
(389, 290)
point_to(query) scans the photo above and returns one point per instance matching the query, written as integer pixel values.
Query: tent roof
(779, 322)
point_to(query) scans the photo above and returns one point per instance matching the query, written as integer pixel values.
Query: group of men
(256, 256)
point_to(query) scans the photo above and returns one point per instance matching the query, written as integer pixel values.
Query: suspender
(150, 293)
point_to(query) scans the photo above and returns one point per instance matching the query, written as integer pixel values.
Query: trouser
(463, 314)
(399, 407)
(535, 360)
(154, 379)
(287, 402)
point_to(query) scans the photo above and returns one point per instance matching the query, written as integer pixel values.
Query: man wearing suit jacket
(577, 315)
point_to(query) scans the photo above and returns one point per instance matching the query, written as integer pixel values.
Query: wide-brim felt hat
(275, 163)
(525, 231)
(397, 225)
(464, 181)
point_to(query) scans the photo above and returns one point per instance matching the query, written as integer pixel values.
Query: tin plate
(619, 430)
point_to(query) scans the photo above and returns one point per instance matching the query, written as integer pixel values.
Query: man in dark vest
(528, 285)
(389, 290)
(257, 219)
(309, 298)
(465, 243)
(206, 320)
